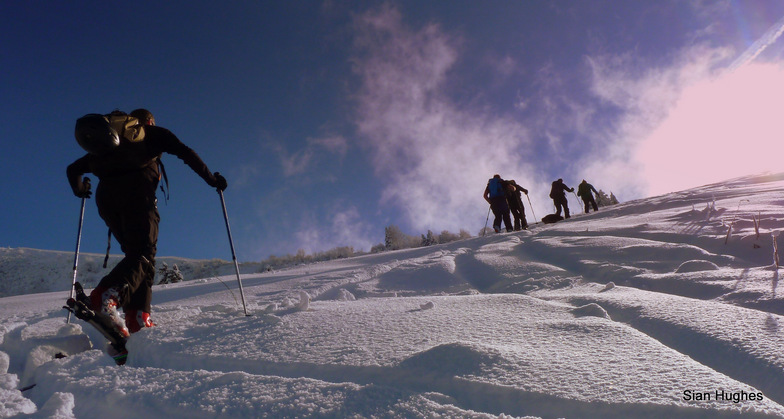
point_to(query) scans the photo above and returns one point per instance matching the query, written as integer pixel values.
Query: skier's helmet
(96, 136)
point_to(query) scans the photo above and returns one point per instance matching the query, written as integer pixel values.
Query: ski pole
(233, 254)
(578, 200)
(78, 243)
(536, 220)
(484, 230)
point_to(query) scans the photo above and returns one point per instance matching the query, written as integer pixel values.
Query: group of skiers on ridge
(504, 196)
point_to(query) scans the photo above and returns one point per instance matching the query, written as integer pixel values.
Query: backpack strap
(162, 171)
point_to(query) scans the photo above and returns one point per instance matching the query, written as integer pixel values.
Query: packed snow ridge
(662, 307)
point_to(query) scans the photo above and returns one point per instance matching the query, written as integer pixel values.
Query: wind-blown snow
(639, 310)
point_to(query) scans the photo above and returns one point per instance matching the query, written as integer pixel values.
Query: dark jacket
(559, 190)
(584, 190)
(138, 160)
(513, 194)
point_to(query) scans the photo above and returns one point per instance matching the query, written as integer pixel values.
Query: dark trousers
(501, 212)
(518, 213)
(561, 202)
(129, 210)
(590, 201)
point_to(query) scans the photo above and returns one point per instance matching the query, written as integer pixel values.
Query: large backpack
(496, 187)
(555, 190)
(99, 134)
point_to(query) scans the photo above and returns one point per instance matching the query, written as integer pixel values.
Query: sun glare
(719, 129)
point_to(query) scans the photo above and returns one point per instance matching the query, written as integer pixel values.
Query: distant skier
(558, 194)
(496, 197)
(515, 201)
(584, 192)
(129, 173)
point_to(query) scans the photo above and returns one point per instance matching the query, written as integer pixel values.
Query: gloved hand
(219, 182)
(83, 189)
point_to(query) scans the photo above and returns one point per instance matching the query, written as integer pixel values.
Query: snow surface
(620, 313)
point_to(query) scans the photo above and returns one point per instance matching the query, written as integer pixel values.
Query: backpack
(554, 190)
(552, 218)
(126, 126)
(99, 134)
(496, 187)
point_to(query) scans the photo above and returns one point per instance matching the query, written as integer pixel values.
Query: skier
(128, 175)
(584, 192)
(558, 194)
(496, 197)
(514, 199)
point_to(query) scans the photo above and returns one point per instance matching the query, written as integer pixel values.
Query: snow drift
(667, 306)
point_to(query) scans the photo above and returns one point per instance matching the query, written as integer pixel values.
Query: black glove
(83, 189)
(219, 182)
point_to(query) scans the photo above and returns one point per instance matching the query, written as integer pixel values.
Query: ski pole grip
(220, 182)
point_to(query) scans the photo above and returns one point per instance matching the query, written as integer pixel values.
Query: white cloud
(304, 159)
(294, 163)
(434, 155)
(345, 227)
(334, 144)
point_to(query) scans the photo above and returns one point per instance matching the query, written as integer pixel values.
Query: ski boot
(135, 320)
(105, 301)
(82, 308)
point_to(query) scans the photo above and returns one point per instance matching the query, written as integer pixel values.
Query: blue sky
(332, 120)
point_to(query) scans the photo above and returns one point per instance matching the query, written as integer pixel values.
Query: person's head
(497, 176)
(144, 116)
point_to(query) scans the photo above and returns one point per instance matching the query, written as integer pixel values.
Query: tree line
(395, 239)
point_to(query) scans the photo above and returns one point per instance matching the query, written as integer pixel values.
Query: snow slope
(639, 310)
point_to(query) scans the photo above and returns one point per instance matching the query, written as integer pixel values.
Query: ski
(80, 307)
